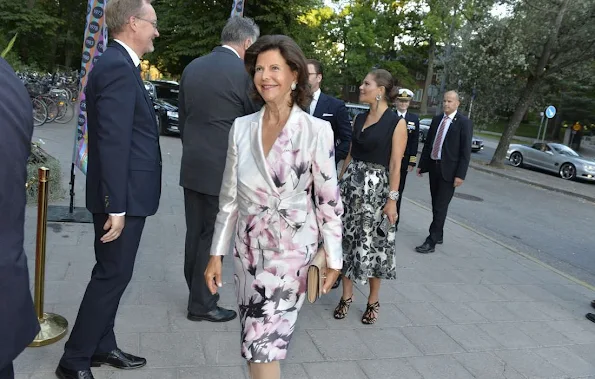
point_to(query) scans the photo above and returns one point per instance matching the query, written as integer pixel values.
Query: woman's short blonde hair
(118, 12)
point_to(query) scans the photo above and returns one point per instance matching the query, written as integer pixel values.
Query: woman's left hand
(331, 278)
(390, 210)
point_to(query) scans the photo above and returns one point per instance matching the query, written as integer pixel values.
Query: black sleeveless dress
(364, 191)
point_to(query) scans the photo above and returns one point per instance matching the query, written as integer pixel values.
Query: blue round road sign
(550, 111)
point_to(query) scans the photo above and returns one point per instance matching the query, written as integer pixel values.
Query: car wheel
(160, 126)
(568, 171)
(516, 159)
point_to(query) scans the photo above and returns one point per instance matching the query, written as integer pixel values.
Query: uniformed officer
(410, 158)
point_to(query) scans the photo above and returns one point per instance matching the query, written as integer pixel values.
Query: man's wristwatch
(393, 195)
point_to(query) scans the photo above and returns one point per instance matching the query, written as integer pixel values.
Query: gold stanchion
(53, 326)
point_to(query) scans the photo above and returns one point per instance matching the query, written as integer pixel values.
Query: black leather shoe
(590, 317)
(118, 359)
(216, 315)
(425, 248)
(593, 303)
(337, 283)
(64, 373)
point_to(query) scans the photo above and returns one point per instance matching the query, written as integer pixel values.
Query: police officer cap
(405, 94)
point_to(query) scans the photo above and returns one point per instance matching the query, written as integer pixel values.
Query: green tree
(552, 39)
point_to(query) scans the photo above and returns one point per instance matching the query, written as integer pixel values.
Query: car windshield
(167, 92)
(565, 150)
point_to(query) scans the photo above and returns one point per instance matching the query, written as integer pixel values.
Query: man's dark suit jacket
(124, 163)
(18, 323)
(334, 111)
(456, 148)
(215, 90)
(410, 156)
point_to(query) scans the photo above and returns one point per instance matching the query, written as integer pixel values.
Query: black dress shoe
(425, 248)
(118, 359)
(64, 373)
(590, 317)
(337, 283)
(593, 303)
(216, 315)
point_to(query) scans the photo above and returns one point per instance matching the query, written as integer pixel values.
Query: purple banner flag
(237, 8)
(94, 44)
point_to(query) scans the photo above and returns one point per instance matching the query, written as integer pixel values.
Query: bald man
(445, 156)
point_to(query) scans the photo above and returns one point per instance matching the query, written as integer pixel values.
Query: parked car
(476, 144)
(424, 128)
(165, 101)
(355, 109)
(553, 157)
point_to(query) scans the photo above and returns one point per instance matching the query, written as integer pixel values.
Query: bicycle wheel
(52, 108)
(40, 112)
(65, 112)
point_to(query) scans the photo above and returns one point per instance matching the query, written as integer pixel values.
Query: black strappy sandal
(371, 314)
(342, 309)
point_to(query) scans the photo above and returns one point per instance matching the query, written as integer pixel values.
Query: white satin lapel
(258, 152)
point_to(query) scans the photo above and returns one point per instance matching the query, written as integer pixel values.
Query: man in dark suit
(330, 109)
(409, 159)
(445, 156)
(18, 322)
(215, 89)
(123, 184)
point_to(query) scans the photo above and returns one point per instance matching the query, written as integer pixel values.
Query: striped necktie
(438, 139)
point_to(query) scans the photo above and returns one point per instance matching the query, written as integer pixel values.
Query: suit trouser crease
(201, 212)
(401, 189)
(442, 192)
(93, 331)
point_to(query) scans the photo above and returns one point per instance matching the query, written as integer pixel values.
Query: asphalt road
(553, 227)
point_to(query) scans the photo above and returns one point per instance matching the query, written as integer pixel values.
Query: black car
(165, 101)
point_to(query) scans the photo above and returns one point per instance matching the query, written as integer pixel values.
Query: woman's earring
(293, 86)
(378, 97)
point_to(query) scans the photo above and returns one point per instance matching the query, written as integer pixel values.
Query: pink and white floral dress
(273, 211)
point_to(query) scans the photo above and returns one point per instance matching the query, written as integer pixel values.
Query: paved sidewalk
(473, 309)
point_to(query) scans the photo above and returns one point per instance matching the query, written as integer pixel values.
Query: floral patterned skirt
(366, 254)
(271, 289)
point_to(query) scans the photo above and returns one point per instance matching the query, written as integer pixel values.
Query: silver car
(552, 157)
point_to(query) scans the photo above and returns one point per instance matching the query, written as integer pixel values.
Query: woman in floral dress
(369, 189)
(278, 197)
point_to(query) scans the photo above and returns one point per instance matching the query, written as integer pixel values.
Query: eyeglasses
(152, 22)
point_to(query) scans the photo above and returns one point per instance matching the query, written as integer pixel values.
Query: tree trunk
(529, 91)
(515, 120)
(555, 136)
(429, 76)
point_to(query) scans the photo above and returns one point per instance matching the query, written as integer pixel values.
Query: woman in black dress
(369, 190)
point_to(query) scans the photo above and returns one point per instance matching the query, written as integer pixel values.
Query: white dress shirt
(449, 119)
(232, 49)
(314, 102)
(133, 55)
(402, 115)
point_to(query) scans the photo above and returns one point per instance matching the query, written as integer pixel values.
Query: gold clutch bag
(316, 275)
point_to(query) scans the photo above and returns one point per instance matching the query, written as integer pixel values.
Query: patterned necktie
(438, 139)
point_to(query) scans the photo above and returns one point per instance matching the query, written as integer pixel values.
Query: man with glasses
(123, 184)
(409, 159)
(330, 109)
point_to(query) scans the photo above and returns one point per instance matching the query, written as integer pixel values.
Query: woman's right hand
(213, 273)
